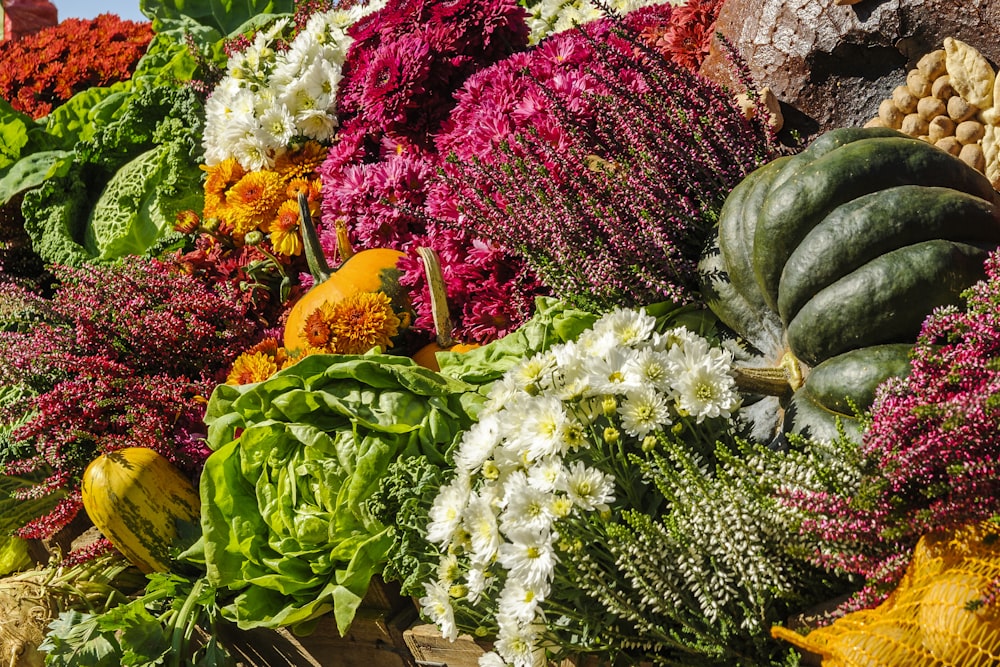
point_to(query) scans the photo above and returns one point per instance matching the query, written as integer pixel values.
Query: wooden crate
(375, 638)
(430, 649)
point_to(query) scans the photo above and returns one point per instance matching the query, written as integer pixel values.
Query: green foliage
(227, 16)
(153, 629)
(119, 192)
(703, 582)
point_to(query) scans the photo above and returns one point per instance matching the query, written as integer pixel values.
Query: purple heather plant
(121, 355)
(599, 161)
(930, 458)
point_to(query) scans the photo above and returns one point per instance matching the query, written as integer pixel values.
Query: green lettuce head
(295, 457)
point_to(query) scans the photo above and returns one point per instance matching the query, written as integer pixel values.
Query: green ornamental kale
(118, 193)
(284, 512)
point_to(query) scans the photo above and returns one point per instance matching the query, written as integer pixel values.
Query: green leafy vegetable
(284, 515)
(119, 192)
(225, 15)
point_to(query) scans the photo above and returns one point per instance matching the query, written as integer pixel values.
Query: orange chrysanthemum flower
(222, 176)
(363, 321)
(251, 367)
(317, 330)
(302, 163)
(285, 236)
(186, 222)
(253, 200)
(272, 348)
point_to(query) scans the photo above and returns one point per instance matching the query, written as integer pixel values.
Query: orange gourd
(371, 270)
(427, 355)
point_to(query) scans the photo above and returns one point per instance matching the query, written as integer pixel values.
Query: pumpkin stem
(771, 380)
(439, 297)
(315, 259)
(344, 247)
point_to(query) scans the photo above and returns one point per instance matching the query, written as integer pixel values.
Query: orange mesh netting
(926, 621)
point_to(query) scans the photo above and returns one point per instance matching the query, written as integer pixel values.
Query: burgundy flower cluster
(121, 356)
(400, 76)
(42, 70)
(931, 455)
(598, 160)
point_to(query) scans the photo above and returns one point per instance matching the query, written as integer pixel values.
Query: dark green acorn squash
(826, 264)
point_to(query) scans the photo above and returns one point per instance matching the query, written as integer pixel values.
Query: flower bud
(255, 237)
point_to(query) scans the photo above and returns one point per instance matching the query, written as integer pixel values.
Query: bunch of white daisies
(271, 96)
(543, 452)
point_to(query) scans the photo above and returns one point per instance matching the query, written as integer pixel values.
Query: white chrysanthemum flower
(521, 602)
(526, 507)
(252, 149)
(535, 373)
(277, 125)
(491, 659)
(627, 327)
(529, 557)
(588, 488)
(477, 580)
(478, 444)
(501, 393)
(707, 389)
(448, 570)
(480, 523)
(653, 368)
(594, 344)
(447, 509)
(546, 474)
(541, 432)
(436, 605)
(681, 340)
(517, 642)
(644, 410)
(611, 373)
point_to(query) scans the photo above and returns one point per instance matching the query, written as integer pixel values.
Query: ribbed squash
(371, 270)
(829, 261)
(135, 497)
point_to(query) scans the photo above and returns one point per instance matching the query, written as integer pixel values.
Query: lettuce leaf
(284, 517)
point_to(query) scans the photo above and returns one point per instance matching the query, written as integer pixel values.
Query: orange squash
(427, 355)
(371, 270)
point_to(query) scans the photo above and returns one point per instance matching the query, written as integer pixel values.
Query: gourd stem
(315, 259)
(344, 247)
(769, 381)
(439, 298)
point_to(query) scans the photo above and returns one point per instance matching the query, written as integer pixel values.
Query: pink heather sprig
(605, 174)
(85, 554)
(122, 355)
(47, 525)
(931, 450)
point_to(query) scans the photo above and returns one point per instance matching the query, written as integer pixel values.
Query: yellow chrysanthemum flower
(253, 200)
(285, 236)
(222, 176)
(302, 163)
(252, 367)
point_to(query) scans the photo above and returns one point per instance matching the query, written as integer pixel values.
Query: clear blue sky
(88, 9)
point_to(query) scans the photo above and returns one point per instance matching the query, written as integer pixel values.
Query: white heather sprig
(550, 441)
(271, 97)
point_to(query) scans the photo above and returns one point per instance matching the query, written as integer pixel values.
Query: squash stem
(315, 259)
(344, 247)
(772, 380)
(769, 381)
(439, 298)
